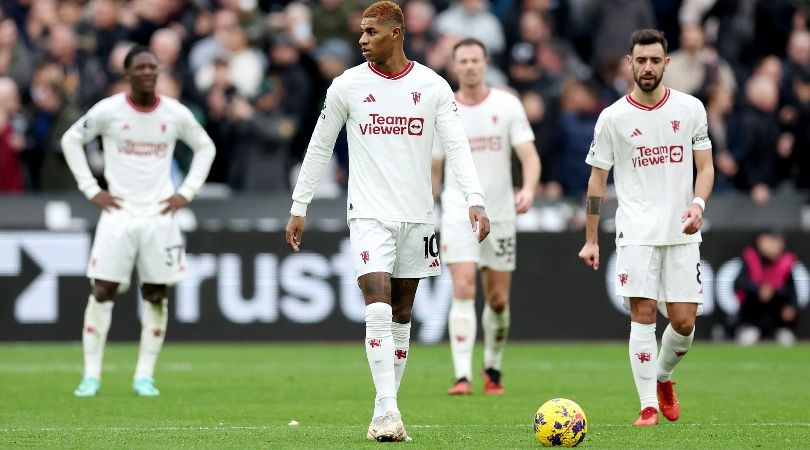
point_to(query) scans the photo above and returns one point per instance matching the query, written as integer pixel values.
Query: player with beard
(392, 109)
(651, 138)
(137, 228)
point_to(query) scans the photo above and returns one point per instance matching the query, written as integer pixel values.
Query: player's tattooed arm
(593, 206)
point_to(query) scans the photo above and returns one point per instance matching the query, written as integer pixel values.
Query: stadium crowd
(255, 73)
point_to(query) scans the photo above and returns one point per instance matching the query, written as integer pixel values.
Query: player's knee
(683, 325)
(401, 315)
(644, 316)
(104, 292)
(153, 293)
(464, 290)
(498, 301)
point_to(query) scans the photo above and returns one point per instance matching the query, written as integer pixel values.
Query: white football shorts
(667, 273)
(403, 249)
(460, 244)
(152, 243)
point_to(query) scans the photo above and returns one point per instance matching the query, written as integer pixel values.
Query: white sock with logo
(462, 327)
(496, 330)
(154, 318)
(379, 346)
(673, 348)
(401, 333)
(644, 362)
(97, 318)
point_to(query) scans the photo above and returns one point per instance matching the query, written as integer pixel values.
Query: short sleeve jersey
(494, 127)
(650, 150)
(391, 121)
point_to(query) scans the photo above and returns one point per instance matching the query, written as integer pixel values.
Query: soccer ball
(560, 423)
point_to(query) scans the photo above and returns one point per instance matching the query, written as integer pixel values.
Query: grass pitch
(244, 396)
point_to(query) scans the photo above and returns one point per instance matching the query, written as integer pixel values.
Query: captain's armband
(593, 206)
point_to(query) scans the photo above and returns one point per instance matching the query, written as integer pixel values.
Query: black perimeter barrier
(247, 286)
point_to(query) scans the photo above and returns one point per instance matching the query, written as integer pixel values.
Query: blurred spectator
(723, 131)
(732, 27)
(205, 51)
(766, 291)
(70, 12)
(167, 46)
(48, 115)
(773, 21)
(298, 25)
(578, 26)
(103, 30)
(472, 18)
(696, 65)
(512, 22)
(42, 15)
(144, 17)
(170, 86)
(115, 67)
(11, 140)
(419, 36)
(16, 61)
(545, 137)
(579, 111)
(666, 20)
(330, 20)
(798, 57)
(795, 117)
(246, 65)
(616, 79)
(769, 67)
(295, 73)
(84, 74)
(333, 58)
(252, 20)
(533, 30)
(613, 21)
(760, 130)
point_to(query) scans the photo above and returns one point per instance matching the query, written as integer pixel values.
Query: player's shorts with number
(460, 244)
(152, 243)
(403, 249)
(667, 273)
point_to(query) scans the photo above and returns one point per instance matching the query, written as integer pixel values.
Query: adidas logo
(370, 99)
(435, 263)
(635, 133)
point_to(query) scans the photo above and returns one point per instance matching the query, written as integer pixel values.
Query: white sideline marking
(77, 367)
(320, 427)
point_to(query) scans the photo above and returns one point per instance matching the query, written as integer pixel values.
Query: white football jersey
(138, 147)
(494, 127)
(650, 149)
(391, 121)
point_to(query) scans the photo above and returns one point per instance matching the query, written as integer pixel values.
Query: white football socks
(154, 319)
(461, 325)
(643, 362)
(673, 347)
(379, 346)
(97, 318)
(496, 330)
(401, 333)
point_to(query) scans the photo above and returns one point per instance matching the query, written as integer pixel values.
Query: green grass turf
(244, 396)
